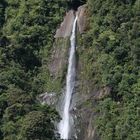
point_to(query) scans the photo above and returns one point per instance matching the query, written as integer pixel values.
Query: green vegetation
(27, 28)
(111, 57)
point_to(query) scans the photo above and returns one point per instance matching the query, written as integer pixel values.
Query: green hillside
(27, 28)
(110, 54)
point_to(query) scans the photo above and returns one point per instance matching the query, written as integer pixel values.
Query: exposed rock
(85, 122)
(86, 113)
(66, 26)
(86, 96)
(104, 92)
(59, 58)
(48, 98)
(82, 18)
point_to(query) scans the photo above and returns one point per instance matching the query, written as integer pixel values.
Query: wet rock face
(82, 18)
(84, 99)
(66, 26)
(59, 58)
(85, 124)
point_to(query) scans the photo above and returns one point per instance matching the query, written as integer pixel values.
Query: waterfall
(64, 126)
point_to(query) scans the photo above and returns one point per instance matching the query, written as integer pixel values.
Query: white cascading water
(64, 126)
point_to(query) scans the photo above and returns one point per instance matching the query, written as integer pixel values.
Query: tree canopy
(26, 29)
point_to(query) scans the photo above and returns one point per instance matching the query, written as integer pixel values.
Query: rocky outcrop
(86, 96)
(48, 98)
(103, 93)
(82, 18)
(66, 26)
(85, 110)
(59, 58)
(85, 123)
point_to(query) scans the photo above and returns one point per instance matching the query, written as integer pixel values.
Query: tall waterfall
(64, 126)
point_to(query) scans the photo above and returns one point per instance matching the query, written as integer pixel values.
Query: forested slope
(109, 55)
(112, 57)
(27, 28)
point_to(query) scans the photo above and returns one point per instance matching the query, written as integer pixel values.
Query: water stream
(64, 125)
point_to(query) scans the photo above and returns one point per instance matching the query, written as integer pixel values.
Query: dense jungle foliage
(112, 58)
(111, 54)
(26, 35)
